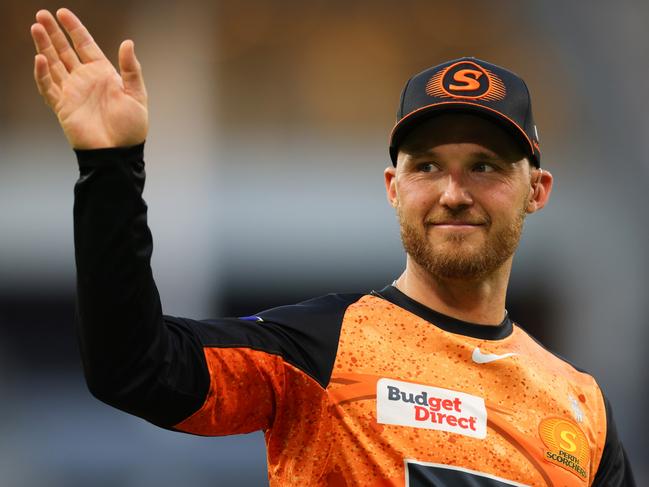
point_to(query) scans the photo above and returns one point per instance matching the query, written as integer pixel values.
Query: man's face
(461, 188)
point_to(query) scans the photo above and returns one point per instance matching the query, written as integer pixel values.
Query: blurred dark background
(269, 127)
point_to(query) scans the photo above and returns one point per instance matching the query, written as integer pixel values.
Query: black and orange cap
(468, 85)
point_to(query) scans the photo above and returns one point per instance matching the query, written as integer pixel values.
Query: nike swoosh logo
(484, 358)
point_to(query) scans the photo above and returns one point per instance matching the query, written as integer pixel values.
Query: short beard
(461, 265)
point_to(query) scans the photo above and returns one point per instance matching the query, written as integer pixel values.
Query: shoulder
(312, 312)
(551, 355)
(305, 335)
(310, 331)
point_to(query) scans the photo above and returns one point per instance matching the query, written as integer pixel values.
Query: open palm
(96, 106)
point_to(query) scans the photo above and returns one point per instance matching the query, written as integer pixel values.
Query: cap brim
(407, 123)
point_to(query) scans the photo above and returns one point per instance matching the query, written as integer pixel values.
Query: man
(425, 382)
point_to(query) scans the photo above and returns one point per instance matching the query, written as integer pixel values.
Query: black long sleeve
(134, 358)
(614, 468)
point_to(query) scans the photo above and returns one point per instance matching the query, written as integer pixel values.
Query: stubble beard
(454, 258)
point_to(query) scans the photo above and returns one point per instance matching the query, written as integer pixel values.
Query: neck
(480, 301)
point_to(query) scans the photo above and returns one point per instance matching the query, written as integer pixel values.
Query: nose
(455, 194)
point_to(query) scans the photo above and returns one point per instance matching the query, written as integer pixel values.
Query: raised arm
(134, 358)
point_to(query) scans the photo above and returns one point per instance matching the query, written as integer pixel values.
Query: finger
(60, 42)
(84, 44)
(44, 46)
(46, 86)
(131, 71)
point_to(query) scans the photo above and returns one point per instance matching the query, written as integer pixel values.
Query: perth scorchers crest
(467, 80)
(567, 445)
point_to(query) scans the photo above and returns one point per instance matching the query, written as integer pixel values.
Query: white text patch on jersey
(420, 406)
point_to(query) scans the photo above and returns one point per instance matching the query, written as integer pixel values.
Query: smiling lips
(459, 227)
(450, 221)
(456, 224)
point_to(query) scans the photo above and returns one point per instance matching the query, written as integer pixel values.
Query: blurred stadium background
(269, 126)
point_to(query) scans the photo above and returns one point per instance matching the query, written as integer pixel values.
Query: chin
(458, 255)
(458, 249)
(462, 260)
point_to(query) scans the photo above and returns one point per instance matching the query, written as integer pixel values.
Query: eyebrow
(480, 154)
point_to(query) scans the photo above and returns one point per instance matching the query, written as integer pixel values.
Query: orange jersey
(408, 401)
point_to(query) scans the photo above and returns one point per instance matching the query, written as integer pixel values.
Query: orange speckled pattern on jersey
(331, 437)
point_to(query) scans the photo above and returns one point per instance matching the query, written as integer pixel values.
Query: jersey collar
(447, 323)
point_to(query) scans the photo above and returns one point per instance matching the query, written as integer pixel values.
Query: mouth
(456, 225)
(457, 222)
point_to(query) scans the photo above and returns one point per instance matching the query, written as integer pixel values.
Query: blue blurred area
(269, 126)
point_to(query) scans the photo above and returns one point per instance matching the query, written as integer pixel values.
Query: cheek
(416, 198)
(503, 206)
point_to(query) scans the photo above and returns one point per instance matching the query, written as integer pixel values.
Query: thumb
(131, 71)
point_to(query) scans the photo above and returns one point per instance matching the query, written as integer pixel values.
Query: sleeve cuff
(111, 155)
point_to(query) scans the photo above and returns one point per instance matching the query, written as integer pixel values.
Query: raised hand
(96, 106)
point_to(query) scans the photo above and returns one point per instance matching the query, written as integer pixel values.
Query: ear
(390, 175)
(541, 188)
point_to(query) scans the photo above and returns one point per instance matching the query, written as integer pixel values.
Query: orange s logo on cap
(468, 80)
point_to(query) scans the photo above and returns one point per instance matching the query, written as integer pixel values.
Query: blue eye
(483, 167)
(427, 167)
